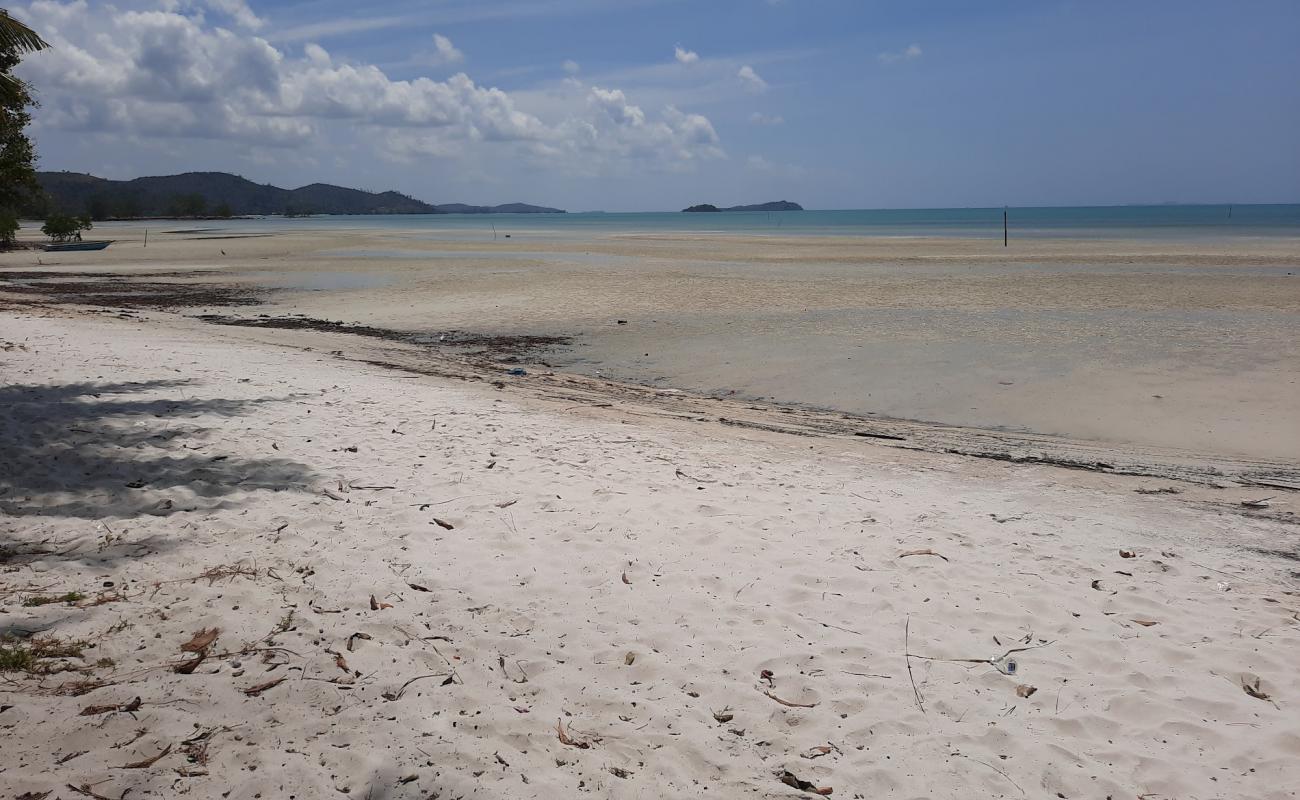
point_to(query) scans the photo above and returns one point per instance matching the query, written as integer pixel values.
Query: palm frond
(14, 35)
(11, 90)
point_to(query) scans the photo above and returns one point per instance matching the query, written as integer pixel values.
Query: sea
(1159, 221)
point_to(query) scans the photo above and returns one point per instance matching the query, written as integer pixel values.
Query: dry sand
(424, 587)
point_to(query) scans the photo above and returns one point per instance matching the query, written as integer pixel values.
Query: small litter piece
(926, 552)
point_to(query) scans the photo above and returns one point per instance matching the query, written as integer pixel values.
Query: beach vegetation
(8, 227)
(65, 227)
(50, 599)
(34, 654)
(17, 156)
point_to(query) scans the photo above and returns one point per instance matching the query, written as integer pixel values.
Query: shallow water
(1134, 222)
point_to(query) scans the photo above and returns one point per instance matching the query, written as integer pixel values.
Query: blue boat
(63, 247)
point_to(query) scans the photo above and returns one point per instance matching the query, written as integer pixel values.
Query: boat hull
(64, 247)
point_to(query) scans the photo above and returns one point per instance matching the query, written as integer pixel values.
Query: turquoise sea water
(1172, 221)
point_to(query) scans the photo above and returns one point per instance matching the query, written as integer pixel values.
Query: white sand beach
(236, 567)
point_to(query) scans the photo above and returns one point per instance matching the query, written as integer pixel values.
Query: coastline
(629, 575)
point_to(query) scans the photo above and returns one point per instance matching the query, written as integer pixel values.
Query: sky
(641, 105)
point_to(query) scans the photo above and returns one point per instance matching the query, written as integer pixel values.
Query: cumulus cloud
(759, 118)
(909, 53)
(444, 52)
(571, 67)
(684, 56)
(751, 79)
(172, 74)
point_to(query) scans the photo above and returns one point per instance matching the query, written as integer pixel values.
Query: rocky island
(779, 205)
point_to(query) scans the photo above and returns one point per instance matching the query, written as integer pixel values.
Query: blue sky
(658, 104)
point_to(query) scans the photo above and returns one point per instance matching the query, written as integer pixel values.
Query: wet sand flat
(1191, 343)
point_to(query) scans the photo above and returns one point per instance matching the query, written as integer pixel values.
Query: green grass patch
(32, 655)
(49, 599)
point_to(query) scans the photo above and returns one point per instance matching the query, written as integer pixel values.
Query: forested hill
(777, 205)
(220, 194)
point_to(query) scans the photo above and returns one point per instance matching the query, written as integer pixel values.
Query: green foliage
(50, 599)
(16, 39)
(8, 227)
(32, 655)
(63, 227)
(188, 205)
(17, 175)
(223, 211)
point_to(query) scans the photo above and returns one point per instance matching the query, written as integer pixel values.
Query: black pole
(1004, 226)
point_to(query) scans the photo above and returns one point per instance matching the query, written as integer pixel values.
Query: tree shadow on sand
(85, 450)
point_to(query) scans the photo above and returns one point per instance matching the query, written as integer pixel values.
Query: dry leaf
(201, 641)
(1025, 690)
(565, 738)
(629, 658)
(817, 752)
(1252, 688)
(626, 579)
(789, 779)
(341, 662)
(188, 667)
(724, 715)
(254, 691)
(1146, 623)
(443, 524)
(1127, 554)
(126, 708)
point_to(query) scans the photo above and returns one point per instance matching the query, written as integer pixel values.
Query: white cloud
(684, 56)
(912, 51)
(759, 118)
(753, 82)
(238, 11)
(572, 67)
(444, 52)
(170, 75)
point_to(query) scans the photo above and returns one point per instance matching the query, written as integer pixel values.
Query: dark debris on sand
(125, 291)
(501, 347)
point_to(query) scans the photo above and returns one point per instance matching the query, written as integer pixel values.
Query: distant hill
(507, 208)
(779, 205)
(220, 194)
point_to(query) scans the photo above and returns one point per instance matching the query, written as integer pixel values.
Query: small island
(779, 205)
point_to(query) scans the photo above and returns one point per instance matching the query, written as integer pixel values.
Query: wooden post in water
(1004, 226)
(146, 237)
